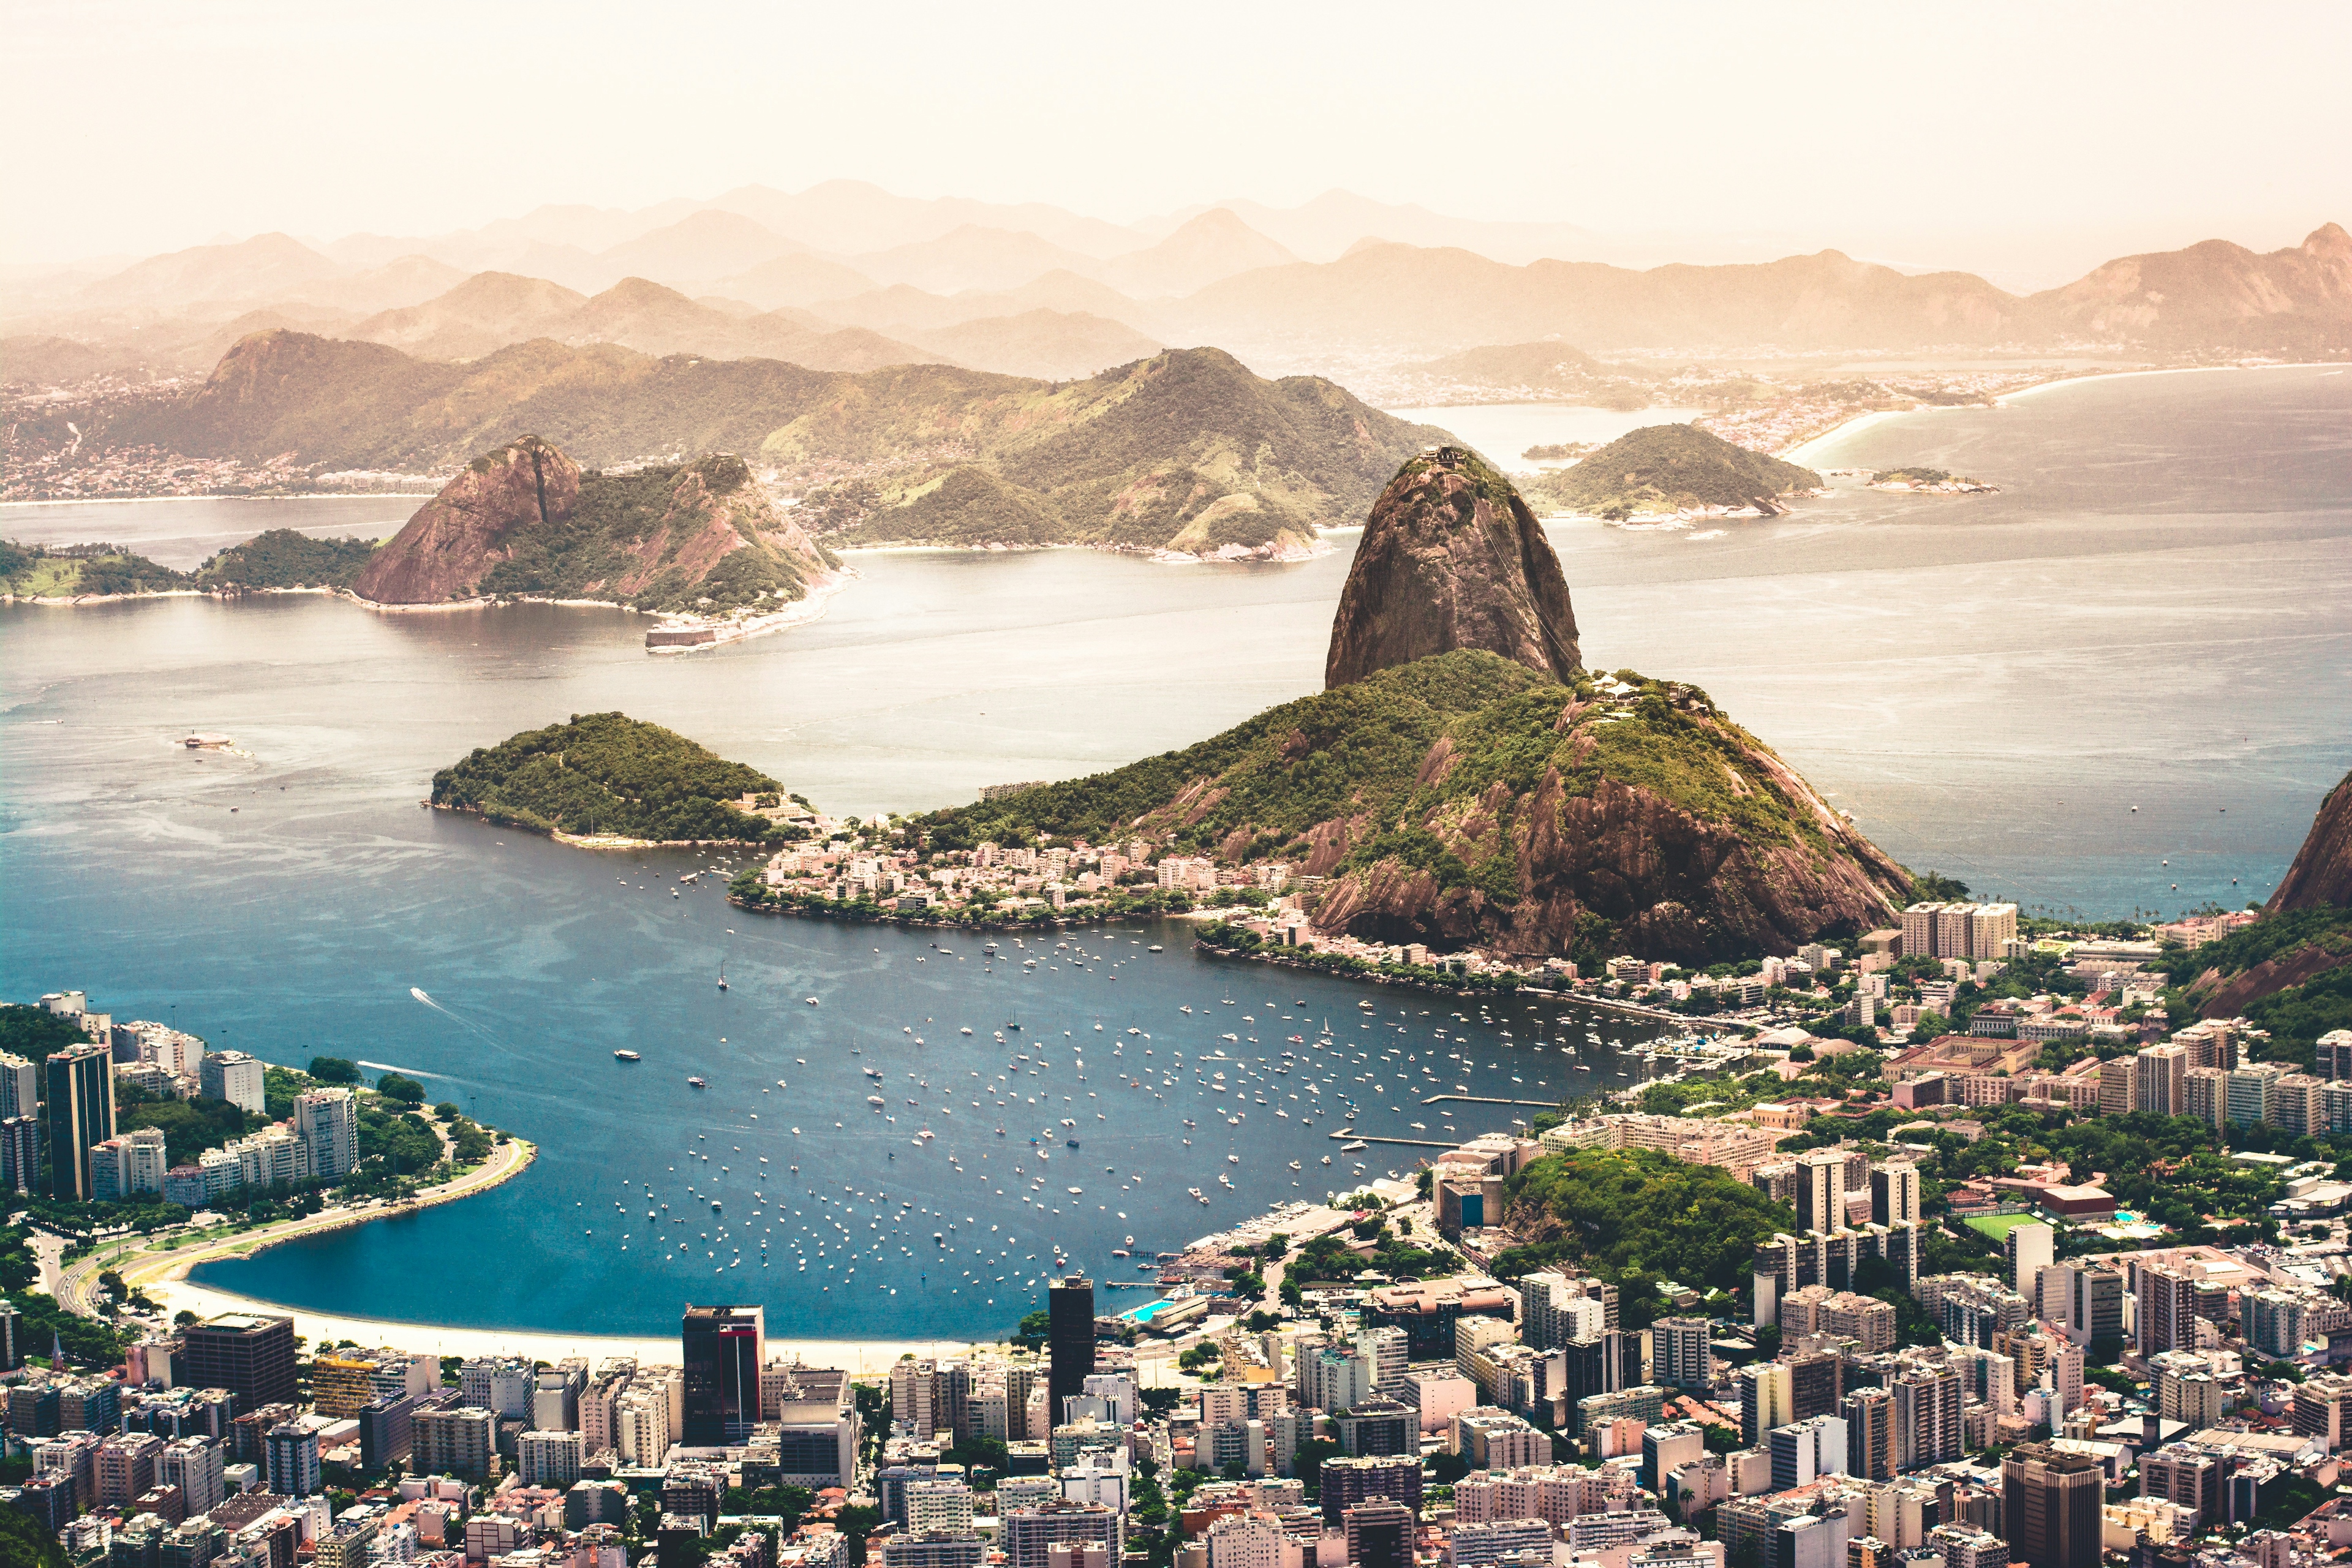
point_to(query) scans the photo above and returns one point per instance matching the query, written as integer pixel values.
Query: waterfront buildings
(249, 1354)
(725, 1348)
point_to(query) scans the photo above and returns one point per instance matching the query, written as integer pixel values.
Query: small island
(1556, 451)
(1930, 482)
(1666, 473)
(606, 781)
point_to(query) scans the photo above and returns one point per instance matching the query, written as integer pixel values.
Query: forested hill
(1667, 467)
(607, 773)
(1463, 799)
(1187, 450)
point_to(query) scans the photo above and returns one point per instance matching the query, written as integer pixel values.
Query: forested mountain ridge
(1186, 449)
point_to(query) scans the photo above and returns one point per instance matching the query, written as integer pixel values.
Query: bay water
(2155, 612)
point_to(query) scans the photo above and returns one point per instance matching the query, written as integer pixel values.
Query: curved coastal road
(143, 1261)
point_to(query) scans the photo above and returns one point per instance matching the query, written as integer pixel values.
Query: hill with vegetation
(73, 571)
(2290, 972)
(1186, 449)
(525, 521)
(609, 774)
(281, 558)
(1464, 799)
(1670, 467)
(1634, 1217)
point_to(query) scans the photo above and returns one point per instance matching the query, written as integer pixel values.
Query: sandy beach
(862, 1357)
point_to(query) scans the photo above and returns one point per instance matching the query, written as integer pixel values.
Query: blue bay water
(2155, 612)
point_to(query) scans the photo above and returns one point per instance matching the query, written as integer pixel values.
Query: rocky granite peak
(2322, 872)
(1452, 559)
(458, 536)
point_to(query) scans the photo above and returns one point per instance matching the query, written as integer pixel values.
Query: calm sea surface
(2156, 612)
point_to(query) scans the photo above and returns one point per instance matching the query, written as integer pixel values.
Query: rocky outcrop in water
(456, 538)
(1452, 559)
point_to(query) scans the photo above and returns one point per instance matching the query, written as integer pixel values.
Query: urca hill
(1466, 780)
(527, 520)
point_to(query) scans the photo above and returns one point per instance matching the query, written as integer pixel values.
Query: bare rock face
(454, 539)
(2322, 872)
(1452, 557)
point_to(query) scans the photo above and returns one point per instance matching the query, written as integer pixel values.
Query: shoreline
(305, 495)
(862, 1357)
(1798, 453)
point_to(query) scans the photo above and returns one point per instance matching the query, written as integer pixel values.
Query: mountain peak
(1452, 557)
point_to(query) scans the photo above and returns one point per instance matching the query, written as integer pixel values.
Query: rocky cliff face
(2322, 872)
(525, 521)
(458, 536)
(1452, 559)
(1655, 826)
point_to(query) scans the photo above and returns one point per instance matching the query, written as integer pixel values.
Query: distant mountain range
(1339, 281)
(1185, 450)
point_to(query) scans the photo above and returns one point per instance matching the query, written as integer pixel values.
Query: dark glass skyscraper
(723, 1348)
(1069, 1339)
(79, 1109)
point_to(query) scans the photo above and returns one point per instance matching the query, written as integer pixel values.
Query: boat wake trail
(457, 1018)
(411, 1072)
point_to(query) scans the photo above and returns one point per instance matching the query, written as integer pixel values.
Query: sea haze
(2156, 612)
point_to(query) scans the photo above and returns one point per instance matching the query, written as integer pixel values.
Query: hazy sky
(2036, 138)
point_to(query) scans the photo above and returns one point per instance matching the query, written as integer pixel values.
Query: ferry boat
(627, 1057)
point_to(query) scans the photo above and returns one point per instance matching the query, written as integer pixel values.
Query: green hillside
(1465, 798)
(1665, 468)
(65, 570)
(282, 558)
(1186, 444)
(607, 774)
(1356, 751)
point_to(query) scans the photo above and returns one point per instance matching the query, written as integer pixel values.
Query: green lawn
(1998, 1226)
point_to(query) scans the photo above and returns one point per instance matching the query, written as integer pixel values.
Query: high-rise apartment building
(1767, 1399)
(2031, 1248)
(20, 1086)
(1870, 1446)
(2158, 1084)
(1380, 1533)
(1894, 1193)
(327, 1120)
(251, 1354)
(724, 1350)
(2118, 1085)
(235, 1077)
(1679, 1354)
(80, 1115)
(2049, 1506)
(20, 1152)
(2167, 1315)
(1069, 1339)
